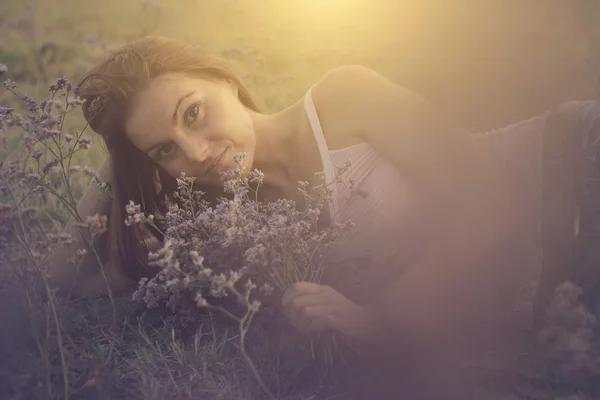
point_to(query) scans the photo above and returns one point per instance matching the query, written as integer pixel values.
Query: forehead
(151, 111)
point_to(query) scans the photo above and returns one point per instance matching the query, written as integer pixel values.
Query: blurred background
(486, 62)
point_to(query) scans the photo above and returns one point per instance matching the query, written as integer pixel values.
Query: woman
(438, 207)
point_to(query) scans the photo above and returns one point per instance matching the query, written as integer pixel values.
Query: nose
(195, 149)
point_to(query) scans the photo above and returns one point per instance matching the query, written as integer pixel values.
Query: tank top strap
(328, 167)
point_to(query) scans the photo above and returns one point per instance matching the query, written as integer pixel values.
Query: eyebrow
(179, 103)
(154, 146)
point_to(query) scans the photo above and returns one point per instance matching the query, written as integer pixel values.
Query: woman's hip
(570, 218)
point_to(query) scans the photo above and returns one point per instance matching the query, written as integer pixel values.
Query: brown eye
(191, 114)
(166, 150)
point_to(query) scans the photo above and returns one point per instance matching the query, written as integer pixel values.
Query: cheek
(233, 128)
(235, 122)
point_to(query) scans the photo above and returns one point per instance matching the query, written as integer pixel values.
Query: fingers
(302, 304)
(298, 289)
(309, 307)
(314, 318)
(326, 322)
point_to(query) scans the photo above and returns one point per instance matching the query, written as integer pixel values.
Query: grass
(502, 61)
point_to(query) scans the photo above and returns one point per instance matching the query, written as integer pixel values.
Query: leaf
(103, 186)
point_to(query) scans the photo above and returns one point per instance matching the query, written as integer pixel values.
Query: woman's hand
(314, 308)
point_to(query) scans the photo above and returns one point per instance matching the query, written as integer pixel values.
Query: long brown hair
(108, 90)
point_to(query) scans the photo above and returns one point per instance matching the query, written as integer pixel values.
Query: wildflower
(81, 252)
(52, 163)
(73, 102)
(196, 258)
(44, 134)
(61, 84)
(134, 219)
(266, 289)
(10, 85)
(78, 256)
(36, 155)
(254, 306)
(218, 285)
(256, 176)
(16, 120)
(135, 215)
(3, 69)
(85, 169)
(31, 105)
(50, 105)
(200, 301)
(95, 224)
(132, 208)
(171, 283)
(32, 178)
(239, 158)
(234, 276)
(249, 285)
(84, 143)
(62, 239)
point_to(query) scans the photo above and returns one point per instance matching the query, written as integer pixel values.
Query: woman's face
(191, 125)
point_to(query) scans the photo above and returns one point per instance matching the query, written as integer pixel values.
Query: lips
(219, 158)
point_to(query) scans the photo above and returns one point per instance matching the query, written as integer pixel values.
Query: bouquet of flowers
(243, 249)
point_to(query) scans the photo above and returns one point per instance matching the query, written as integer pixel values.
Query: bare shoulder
(349, 74)
(348, 98)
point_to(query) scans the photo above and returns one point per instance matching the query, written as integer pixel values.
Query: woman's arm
(85, 278)
(458, 184)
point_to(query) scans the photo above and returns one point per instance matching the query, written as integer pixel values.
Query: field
(486, 63)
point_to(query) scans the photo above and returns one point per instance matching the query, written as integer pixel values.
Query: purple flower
(84, 143)
(73, 102)
(44, 134)
(10, 85)
(30, 104)
(16, 120)
(51, 164)
(36, 155)
(86, 170)
(62, 239)
(61, 84)
(94, 224)
(29, 142)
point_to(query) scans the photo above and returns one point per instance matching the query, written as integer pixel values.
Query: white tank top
(379, 240)
(384, 241)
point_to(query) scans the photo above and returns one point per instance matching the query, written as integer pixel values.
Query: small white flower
(200, 301)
